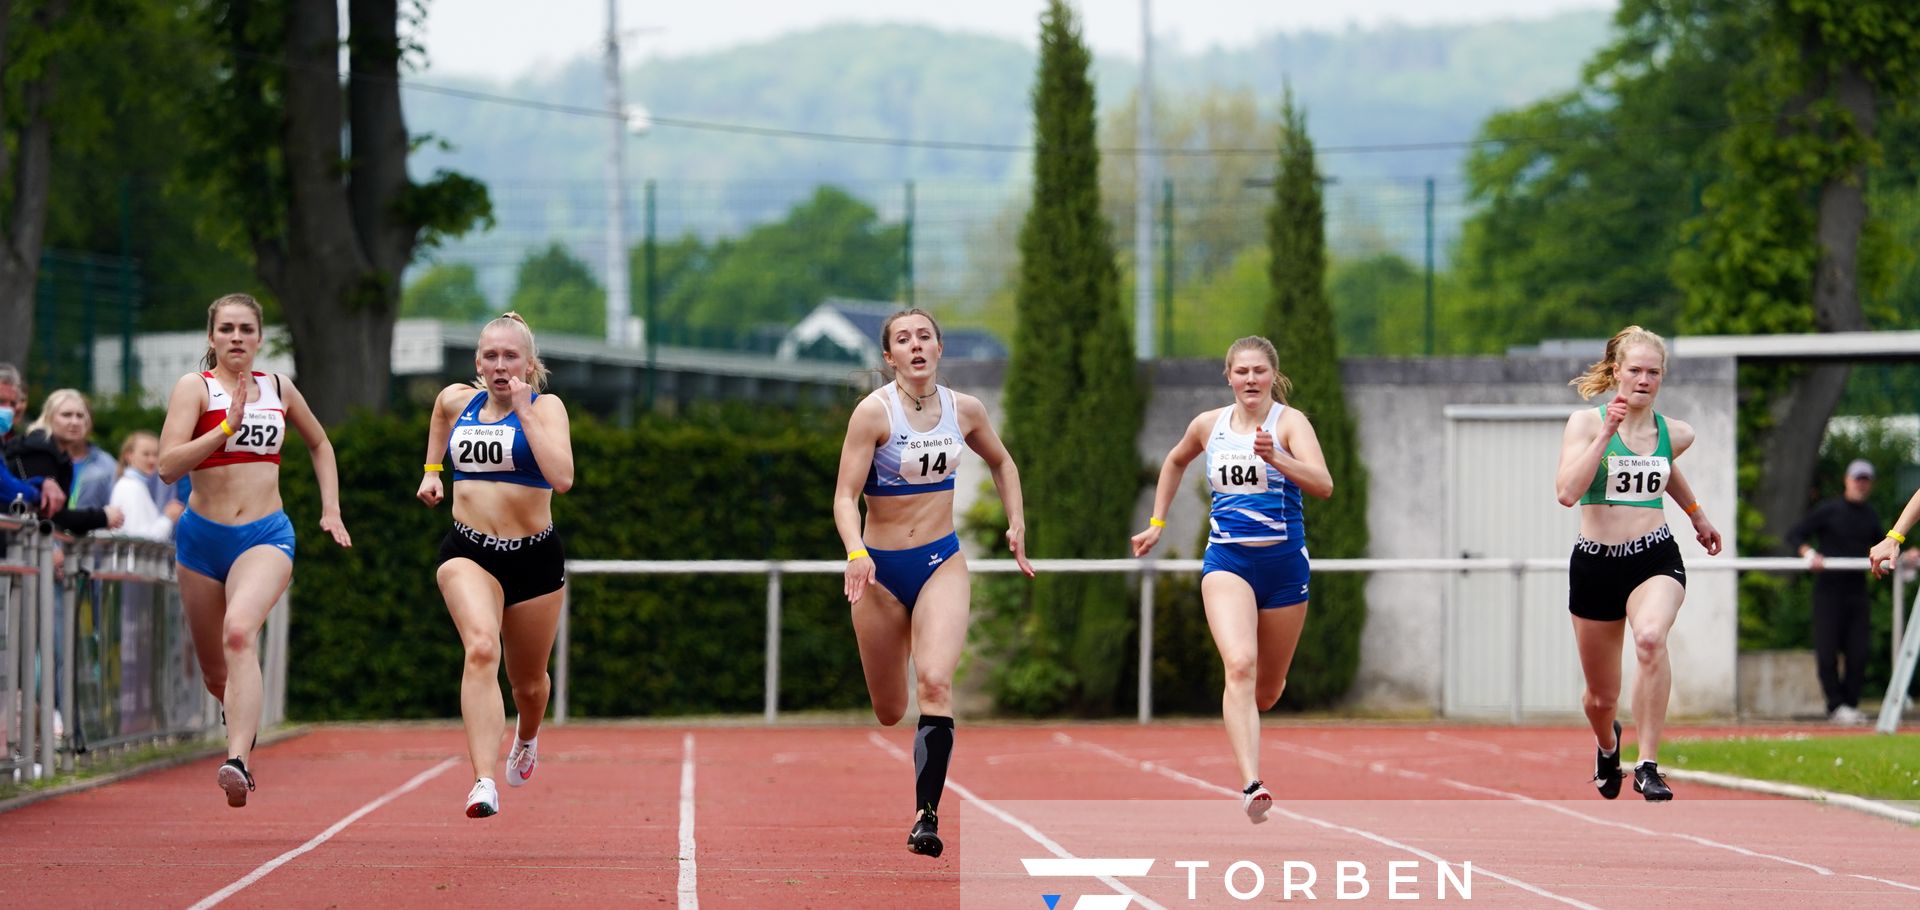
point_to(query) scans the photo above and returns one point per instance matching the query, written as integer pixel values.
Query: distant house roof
(853, 326)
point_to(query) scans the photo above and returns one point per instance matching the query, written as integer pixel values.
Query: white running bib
(1237, 472)
(930, 459)
(482, 449)
(1636, 478)
(260, 432)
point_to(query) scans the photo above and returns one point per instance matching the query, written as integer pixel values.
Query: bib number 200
(480, 451)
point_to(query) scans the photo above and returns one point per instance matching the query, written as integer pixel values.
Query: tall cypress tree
(1299, 322)
(1073, 397)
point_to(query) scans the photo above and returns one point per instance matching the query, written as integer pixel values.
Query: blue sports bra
(492, 451)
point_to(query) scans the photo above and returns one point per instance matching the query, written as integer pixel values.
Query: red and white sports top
(259, 434)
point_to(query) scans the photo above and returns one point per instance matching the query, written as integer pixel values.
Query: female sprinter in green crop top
(1616, 463)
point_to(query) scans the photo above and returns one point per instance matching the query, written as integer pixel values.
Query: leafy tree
(33, 57)
(448, 291)
(124, 137)
(311, 171)
(1582, 195)
(1216, 215)
(558, 293)
(1300, 324)
(1786, 238)
(1073, 399)
(831, 245)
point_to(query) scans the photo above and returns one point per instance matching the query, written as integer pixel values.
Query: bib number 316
(1636, 478)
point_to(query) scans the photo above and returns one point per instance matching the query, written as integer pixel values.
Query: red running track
(817, 817)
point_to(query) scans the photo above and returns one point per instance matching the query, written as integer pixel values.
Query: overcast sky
(504, 39)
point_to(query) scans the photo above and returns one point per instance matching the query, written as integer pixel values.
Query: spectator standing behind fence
(1261, 455)
(55, 446)
(234, 545)
(1846, 525)
(133, 491)
(40, 493)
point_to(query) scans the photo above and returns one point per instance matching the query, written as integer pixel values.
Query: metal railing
(1148, 569)
(95, 653)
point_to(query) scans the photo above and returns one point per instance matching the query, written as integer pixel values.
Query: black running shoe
(924, 839)
(1648, 783)
(236, 780)
(1606, 768)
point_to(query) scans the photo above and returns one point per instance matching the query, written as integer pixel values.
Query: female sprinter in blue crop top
(1260, 456)
(1617, 465)
(501, 568)
(234, 546)
(906, 577)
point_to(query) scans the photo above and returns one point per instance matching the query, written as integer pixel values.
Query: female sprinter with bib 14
(502, 569)
(1261, 455)
(233, 543)
(906, 577)
(1617, 464)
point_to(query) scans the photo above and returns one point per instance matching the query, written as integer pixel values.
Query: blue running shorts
(210, 548)
(1279, 575)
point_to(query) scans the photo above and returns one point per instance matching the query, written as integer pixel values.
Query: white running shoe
(484, 799)
(1256, 801)
(521, 762)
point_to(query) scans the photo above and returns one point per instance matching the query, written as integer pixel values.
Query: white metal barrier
(1148, 569)
(97, 637)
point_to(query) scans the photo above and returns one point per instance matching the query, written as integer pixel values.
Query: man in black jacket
(1843, 526)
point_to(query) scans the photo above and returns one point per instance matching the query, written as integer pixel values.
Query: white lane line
(324, 836)
(1163, 770)
(1030, 831)
(1381, 767)
(689, 873)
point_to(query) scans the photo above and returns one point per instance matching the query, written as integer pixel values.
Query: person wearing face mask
(33, 493)
(55, 446)
(1261, 455)
(133, 490)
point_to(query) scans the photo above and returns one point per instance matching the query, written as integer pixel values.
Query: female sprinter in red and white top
(233, 544)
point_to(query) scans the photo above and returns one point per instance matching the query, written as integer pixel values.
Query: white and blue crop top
(492, 451)
(910, 461)
(1252, 500)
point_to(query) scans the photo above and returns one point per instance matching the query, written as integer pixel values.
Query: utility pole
(1144, 182)
(619, 306)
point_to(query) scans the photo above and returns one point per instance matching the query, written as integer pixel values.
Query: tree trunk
(1800, 415)
(29, 176)
(342, 324)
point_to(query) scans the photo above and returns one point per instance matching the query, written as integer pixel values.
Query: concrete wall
(1400, 408)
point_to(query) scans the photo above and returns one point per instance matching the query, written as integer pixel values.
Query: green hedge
(370, 634)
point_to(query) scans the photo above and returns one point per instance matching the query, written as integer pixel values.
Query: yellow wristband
(433, 467)
(856, 554)
(1693, 508)
(1156, 522)
(1897, 536)
(225, 428)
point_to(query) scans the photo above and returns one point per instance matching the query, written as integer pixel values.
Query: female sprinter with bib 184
(1261, 455)
(502, 569)
(233, 544)
(1616, 463)
(906, 577)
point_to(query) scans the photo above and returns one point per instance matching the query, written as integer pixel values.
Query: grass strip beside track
(1866, 765)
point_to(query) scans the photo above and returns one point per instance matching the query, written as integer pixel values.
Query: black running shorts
(525, 567)
(1601, 576)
